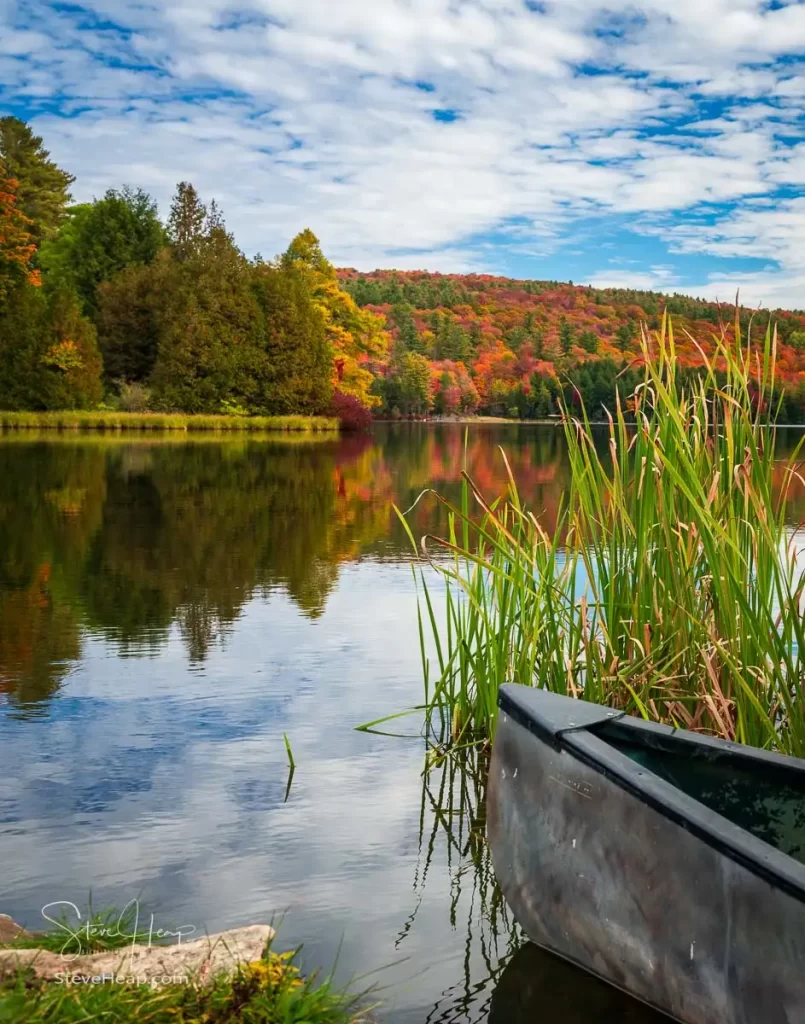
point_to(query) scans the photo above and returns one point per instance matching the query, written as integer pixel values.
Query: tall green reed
(671, 586)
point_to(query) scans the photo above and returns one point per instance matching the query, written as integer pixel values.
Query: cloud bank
(445, 134)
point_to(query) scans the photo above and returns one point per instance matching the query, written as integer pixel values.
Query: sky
(653, 144)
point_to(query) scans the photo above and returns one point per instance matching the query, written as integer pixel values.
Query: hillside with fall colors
(466, 344)
(105, 307)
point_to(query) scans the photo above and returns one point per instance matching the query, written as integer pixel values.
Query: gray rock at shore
(195, 962)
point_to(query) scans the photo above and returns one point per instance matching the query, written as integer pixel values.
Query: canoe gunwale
(585, 742)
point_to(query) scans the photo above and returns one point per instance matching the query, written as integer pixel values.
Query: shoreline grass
(270, 990)
(672, 587)
(156, 421)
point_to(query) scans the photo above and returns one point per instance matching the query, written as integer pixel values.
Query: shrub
(351, 413)
(133, 397)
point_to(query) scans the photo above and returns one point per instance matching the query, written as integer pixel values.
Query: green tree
(565, 335)
(415, 385)
(796, 340)
(589, 341)
(292, 371)
(44, 188)
(48, 352)
(132, 310)
(403, 316)
(186, 222)
(209, 337)
(625, 335)
(100, 240)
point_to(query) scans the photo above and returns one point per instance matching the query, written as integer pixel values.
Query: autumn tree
(44, 188)
(16, 243)
(355, 335)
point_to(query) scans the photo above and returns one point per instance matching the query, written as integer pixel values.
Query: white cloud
(296, 114)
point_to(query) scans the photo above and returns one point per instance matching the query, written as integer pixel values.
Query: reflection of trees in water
(144, 536)
(39, 642)
(50, 506)
(452, 837)
(134, 538)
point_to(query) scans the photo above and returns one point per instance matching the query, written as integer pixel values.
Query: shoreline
(154, 421)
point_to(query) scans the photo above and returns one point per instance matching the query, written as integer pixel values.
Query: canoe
(668, 864)
(536, 986)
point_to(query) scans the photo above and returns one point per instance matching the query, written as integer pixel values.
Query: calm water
(167, 611)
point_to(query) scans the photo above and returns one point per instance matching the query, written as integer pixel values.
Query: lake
(169, 611)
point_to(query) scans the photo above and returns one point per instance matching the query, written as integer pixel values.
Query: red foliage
(352, 414)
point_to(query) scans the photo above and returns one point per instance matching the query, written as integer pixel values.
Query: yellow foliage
(356, 335)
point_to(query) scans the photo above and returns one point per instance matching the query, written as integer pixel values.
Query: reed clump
(146, 421)
(672, 586)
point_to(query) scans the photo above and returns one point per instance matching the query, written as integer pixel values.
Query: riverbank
(107, 969)
(140, 421)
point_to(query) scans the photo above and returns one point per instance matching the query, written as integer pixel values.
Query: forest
(105, 306)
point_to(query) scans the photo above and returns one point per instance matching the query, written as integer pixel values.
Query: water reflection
(537, 986)
(168, 610)
(127, 540)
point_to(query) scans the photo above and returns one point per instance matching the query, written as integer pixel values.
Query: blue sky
(655, 143)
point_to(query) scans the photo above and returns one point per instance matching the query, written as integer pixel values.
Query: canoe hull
(593, 874)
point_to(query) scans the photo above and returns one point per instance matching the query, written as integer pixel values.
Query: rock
(10, 930)
(193, 962)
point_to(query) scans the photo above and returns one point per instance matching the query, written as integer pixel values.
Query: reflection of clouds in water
(152, 780)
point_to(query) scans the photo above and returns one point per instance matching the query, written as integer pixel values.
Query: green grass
(671, 587)
(123, 421)
(270, 990)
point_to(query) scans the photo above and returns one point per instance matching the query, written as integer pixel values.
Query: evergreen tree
(131, 315)
(186, 222)
(625, 335)
(209, 338)
(589, 341)
(565, 335)
(415, 385)
(402, 315)
(44, 188)
(292, 373)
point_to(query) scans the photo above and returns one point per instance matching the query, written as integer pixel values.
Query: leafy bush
(133, 397)
(351, 414)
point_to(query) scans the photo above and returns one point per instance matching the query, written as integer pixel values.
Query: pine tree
(186, 221)
(44, 188)
(565, 335)
(209, 337)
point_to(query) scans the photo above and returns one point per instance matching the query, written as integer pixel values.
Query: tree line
(103, 304)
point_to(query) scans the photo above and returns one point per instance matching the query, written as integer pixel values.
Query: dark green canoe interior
(764, 804)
